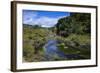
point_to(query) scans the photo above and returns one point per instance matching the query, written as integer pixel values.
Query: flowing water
(51, 50)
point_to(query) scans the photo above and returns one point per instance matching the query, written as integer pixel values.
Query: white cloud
(29, 16)
(28, 20)
(45, 21)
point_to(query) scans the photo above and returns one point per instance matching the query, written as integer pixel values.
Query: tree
(78, 23)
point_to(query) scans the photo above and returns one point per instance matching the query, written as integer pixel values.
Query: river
(51, 52)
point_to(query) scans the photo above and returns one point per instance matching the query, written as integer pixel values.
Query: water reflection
(52, 52)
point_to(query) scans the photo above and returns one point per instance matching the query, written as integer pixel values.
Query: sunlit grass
(82, 39)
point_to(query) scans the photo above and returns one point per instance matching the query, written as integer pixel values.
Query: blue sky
(43, 18)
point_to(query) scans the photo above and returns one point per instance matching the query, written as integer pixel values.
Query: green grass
(82, 39)
(76, 49)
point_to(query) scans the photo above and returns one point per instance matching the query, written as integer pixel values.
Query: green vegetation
(34, 39)
(75, 31)
(73, 34)
(77, 23)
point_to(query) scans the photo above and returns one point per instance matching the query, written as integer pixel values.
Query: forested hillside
(78, 23)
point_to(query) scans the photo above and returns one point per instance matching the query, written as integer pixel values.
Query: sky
(42, 18)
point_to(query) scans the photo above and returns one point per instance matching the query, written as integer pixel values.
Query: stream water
(51, 50)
